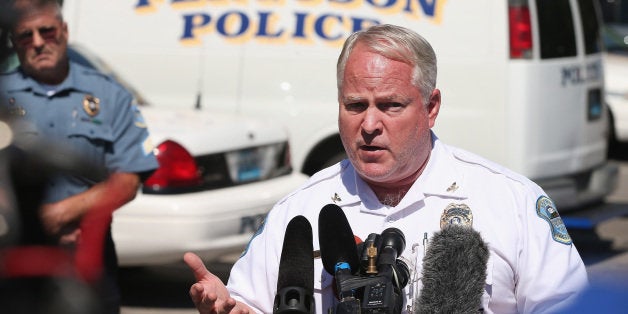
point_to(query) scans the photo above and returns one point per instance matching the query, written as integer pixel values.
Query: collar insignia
(453, 187)
(336, 198)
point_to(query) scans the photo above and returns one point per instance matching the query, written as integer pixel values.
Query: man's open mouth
(370, 148)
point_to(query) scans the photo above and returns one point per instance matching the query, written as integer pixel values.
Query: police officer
(400, 174)
(84, 113)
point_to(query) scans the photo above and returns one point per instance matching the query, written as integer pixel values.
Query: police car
(218, 176)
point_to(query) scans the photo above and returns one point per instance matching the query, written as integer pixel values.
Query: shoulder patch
(139, 119)
(546, 209)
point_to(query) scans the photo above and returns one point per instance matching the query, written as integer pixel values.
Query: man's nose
(38, 40)
(372, 121)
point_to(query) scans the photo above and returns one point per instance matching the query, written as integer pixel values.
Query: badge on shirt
(456, 214)
(546, 209)
(91, 105)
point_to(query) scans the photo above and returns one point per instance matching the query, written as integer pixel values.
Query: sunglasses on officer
(25, 38)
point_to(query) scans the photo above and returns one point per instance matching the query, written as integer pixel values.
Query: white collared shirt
(530, 268)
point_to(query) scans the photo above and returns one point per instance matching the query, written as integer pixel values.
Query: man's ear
(64, 30)
(433, 107)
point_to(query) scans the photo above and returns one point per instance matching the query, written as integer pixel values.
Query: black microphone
(336, 239)
(339, 254)
(295, 281)
(454, 272)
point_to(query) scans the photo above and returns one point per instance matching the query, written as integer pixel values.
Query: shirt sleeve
(551, 273)
(132, 148)
(253, 278)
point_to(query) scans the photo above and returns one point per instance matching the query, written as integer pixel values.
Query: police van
(522, 81)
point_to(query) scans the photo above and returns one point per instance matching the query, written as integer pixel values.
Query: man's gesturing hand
(209, 294)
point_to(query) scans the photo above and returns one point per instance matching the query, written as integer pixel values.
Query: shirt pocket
(91, 141)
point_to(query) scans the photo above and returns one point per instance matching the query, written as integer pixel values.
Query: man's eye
(358, 106)
(24, 35)
(390, 106)
(48, 32)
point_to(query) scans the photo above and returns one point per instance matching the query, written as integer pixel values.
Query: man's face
(40, 40)
(384, 123)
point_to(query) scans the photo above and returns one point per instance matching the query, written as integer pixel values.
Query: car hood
(205, 132)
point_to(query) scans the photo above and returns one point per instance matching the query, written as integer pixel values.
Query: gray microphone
(454, 272)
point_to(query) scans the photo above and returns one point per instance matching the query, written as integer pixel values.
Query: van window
(556, 29)
(590, 26)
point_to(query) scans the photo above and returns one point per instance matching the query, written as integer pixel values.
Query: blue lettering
(299, 29)
(386, 4)
(428, 8)
(594, 71)
(571, 75)
(222, 28)
(319, 26)
(189, 25)
(266, 24)
(263, 26)
(142, 3)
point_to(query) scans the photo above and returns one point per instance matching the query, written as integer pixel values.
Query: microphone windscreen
(336, 239)
(296, 266)
(454, 272)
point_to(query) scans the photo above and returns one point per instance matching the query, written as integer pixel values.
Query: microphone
(454, 272)
(339, 254)
(295, 281)
(336, 239)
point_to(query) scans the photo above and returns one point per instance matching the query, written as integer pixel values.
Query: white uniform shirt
(532, 268)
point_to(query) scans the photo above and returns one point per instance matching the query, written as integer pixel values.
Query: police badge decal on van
(546, 209)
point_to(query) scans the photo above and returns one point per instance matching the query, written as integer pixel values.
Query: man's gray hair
(396, 43)
(24, 7)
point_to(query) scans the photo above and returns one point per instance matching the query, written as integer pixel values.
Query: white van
(522, 80)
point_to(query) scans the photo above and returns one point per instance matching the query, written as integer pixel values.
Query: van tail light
(520, 31)
(177, 169)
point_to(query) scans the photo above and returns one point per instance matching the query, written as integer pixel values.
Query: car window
(590, 26)
(556, 29)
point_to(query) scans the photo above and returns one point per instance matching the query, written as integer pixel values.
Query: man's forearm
(107, 196)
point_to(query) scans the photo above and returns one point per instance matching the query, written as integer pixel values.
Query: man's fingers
(203, 302)
(196, 265)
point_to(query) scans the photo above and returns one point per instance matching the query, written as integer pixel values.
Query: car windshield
(616, 38)
(615, 27)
